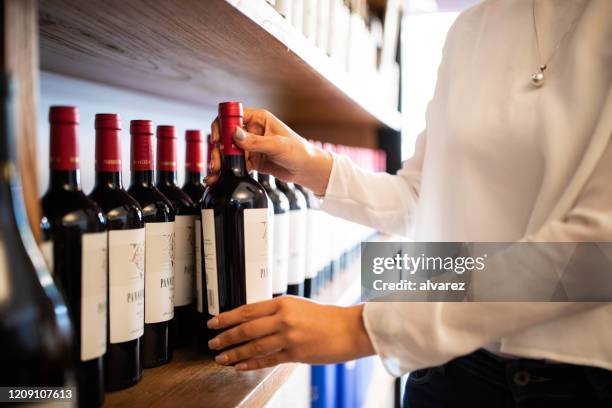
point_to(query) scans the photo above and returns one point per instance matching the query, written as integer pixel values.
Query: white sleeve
(414, 335)
(382, 201)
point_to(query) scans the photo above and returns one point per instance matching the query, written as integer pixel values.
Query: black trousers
(483, 379)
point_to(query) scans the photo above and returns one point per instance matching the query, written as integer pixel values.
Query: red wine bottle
(311, 269)
(76, 232)
(35, 328)
(297, 239)
(237, 229)
(184, 255)
(158, 217)
(194, 165)
(280, 253)
(126, 246)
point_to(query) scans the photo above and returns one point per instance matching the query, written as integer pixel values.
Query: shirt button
(521, 378)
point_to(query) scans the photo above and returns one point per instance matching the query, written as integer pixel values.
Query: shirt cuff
(375, 319)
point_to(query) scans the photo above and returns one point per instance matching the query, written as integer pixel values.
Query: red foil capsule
(230, 117)
(194, 154)
(108, 142)
(63, 143)
(166, 148)
(141, 151)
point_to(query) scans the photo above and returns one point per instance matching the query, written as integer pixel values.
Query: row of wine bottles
(142, 269)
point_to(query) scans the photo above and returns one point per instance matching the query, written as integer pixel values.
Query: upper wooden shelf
(205, 52)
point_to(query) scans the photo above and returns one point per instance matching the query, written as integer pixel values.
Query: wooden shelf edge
(266, 17)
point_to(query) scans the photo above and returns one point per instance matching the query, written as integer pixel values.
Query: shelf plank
(205, 52)
(195, 380)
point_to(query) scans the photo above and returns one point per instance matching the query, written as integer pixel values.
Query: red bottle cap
(166, 148)
(141, 151)
(230, 117)
(194, 154)
(63, 141)
(108, 142)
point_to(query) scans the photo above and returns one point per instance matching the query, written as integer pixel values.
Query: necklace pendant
(538, 78)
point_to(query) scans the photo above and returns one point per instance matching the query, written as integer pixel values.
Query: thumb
(269, 145)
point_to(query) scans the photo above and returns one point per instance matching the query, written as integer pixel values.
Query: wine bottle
(280, 253)
(76, 232)
(126, 246)
(237, 230)
(35, 328)
(158, 216)
(194, 187)
(297, 238)
(311, 268)
(194, 165)
(184, 255)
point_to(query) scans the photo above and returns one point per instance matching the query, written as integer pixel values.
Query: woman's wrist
(361, 344)
(318, 170)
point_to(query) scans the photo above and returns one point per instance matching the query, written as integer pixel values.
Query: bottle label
(311, 262)
(183, 260)
(297, 246)
(258, 239)
(159, 272)
(198, 264)
(93, 295)
(47, 250)
(126, 284)
(280, 267)
(210, 260)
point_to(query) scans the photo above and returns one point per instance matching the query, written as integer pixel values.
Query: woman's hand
(287, 329)
(273, 148)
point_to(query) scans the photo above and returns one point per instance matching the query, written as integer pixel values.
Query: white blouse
(500, 160)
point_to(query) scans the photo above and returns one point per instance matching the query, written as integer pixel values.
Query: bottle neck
(194, 177)
(142, 177)
(235, 164)
(69, 180)
(264, 180)
(166, 177)
(110, 179)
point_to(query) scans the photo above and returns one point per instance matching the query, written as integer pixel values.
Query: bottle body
(311, 284)
(29, 300)
(158, 216)
(282, 232)
(126, 246)
(237, 228)
(297, 239)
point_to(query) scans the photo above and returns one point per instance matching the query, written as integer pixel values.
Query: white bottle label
(159, 272)
(209, 243)
(297, 246)
(126, 284)
(311, 261)
(280, 267)
(183, 260)
(258, 236)
(198, 264)
(47, 250)
(93, 295)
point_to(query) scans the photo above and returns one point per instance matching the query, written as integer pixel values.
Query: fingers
(255, 348)
(263, 362)
(245, 331)
(244, 313)
(271, 144)
(214, 167)
(215, 135)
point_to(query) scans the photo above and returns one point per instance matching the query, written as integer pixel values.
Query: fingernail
(212, 323)
(214, 343)
(239, 133)
(222, 358)
(240, 366)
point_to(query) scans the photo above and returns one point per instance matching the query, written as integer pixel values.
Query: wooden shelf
(205, 52)
(195, 380)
